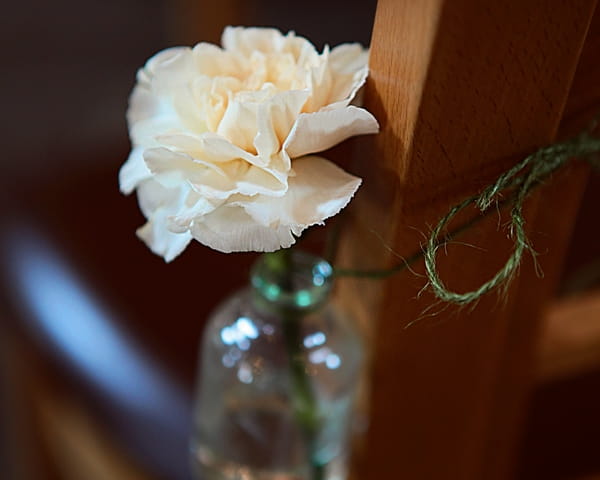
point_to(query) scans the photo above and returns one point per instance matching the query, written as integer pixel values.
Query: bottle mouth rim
(303, 283)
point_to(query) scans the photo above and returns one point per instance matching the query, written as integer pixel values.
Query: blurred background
(98, 336)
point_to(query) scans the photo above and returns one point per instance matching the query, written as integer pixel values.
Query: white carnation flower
(222, 139)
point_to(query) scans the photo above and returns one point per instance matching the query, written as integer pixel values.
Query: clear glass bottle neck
(291, 280)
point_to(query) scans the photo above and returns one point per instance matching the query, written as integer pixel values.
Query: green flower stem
(305, 404)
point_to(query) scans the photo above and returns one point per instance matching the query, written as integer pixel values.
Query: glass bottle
(279, 373)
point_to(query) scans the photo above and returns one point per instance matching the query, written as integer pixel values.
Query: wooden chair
(463, 89)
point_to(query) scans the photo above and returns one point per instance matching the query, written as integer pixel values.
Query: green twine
(521, 179)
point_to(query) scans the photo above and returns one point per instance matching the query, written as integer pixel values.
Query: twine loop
(521, 180)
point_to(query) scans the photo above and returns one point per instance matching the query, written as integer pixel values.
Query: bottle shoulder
(241, 330)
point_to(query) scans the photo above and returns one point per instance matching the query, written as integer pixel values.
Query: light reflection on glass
(272, 292)
(247, 327)
(303, 298)
(231, 357)
(326, 356)
(323, 269)
(314, 340)
(268, 329)
(244, 344)
(319, 356)
(228, 360)
(245, 373)
(228, 336)
(240, 333)
(333, 361)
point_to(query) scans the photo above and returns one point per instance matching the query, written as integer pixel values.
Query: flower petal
(149, 115)
(315, 132)
(319, 190)
(143, 104)
(170, 70)
(151, 104)
(133, 171)
(152, 196)
(275, 120)
(195, 206)
(348, 57)
(209, 147)
(346, 88)
(217, 134)
(158, 204)
(214, 180)
(172, 169)
(230, 229)
(162, 241)
(320, 82)
(248, 40)
(238, 124)
(215, 62)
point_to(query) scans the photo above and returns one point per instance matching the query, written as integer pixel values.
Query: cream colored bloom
(222, 139)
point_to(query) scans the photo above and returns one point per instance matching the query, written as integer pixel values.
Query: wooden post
(462, 89)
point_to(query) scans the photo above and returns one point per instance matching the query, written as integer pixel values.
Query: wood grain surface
(462, 89)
